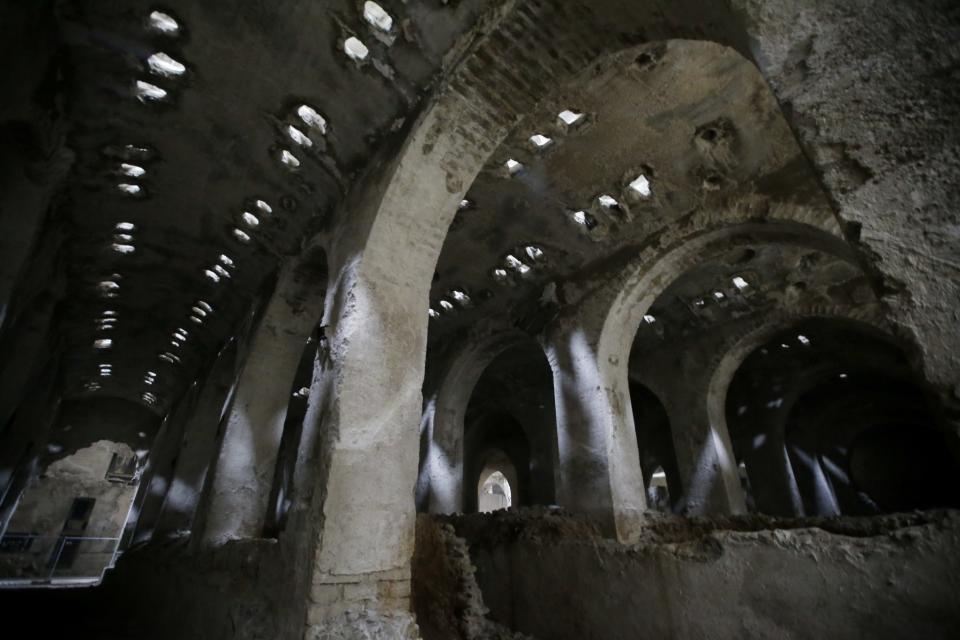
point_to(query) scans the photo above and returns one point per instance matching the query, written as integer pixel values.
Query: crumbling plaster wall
(870, 89)
(548, 575)
(46, 503)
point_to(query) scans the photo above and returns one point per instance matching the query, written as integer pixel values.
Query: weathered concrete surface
(446, 596)
(245, 468)
(892, 577)
(872, 101)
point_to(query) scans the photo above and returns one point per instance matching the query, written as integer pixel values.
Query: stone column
(368, 460)
(705, 459)
(198, 445)
(244, 472)
(598, 471)
(157, 475)
(771, 474)
(708, 467)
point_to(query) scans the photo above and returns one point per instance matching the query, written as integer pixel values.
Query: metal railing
(36, 560)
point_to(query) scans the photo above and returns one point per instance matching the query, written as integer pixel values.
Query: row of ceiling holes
(458, 298)
(377, 17)
(162, 65)
(568, 119)
(355, 50)
(739, 285)
(639, 188)
(313, 122)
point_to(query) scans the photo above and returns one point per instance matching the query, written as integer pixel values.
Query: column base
(358, 607)
(365, 624)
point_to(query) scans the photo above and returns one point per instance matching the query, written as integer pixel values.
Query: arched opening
(693, 322)
(510, 428)
(494, 488)
(832, 411)
(658, 460)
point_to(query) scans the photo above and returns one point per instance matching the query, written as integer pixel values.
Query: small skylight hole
(149, 92)
(534, 252)
(241, 235)
(377, 16)
(129, 189)
(123, 249)
(212, 276)
(163, 65)
(299, 137)
(250, 220)
(540, 141)
(103, 343)
(311, 118)
(804, 340)
(649, 319)
(355, 49)
(570, 118)
(446, 305)
(289, 160)
(740, 283)
(132, 170)
(126, 226)
(513, 167)
(608, 202)
(164, 23)
(641, 187)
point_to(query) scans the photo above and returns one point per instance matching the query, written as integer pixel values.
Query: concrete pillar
(598, 471)
(369, 450)
(198, 445)
(158, 474)
(708, 467)
(818, 496)
(244, 473)
(774, 485)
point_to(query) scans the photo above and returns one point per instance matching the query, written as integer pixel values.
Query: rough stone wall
(446, 596)
(870, 89)
(744, 577)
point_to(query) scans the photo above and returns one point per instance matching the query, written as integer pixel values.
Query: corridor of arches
(356, 319)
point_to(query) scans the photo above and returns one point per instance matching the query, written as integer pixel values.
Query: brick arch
(443, 418)
(385, 252)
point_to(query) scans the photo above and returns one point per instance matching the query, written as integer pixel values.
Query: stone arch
(723, 368)
(443, 418)
(593, 341)
(504, 437)
(385, 252)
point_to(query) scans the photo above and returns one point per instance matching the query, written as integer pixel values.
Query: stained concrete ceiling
(148, 249)
(694, 119)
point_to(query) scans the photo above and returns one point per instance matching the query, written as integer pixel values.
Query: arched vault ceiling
(694, 118)
(204, 153)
